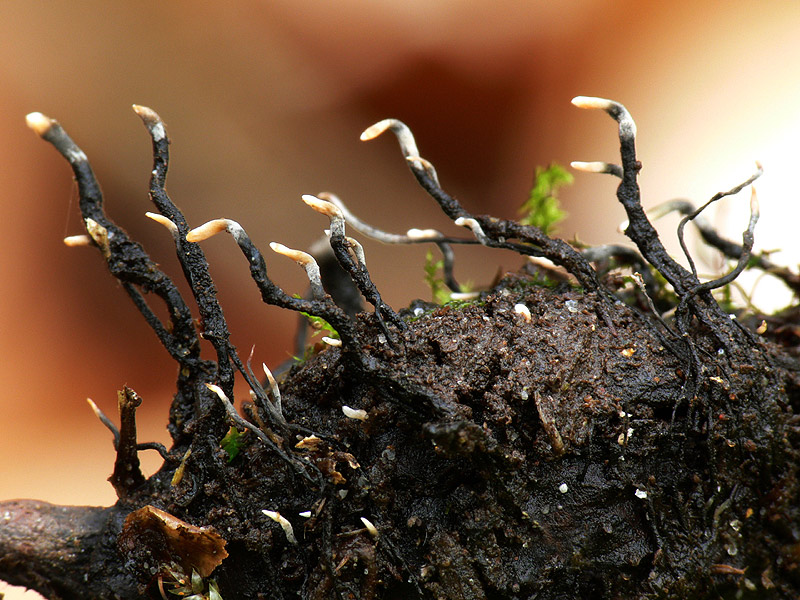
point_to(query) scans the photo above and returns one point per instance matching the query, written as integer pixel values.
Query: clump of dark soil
(574, 466)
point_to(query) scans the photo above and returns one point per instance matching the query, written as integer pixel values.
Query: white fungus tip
(283, 522)
(268, 373)
(206, 230)
(464, 295)
(152, 121)
(324, 207)
(332, 341)
(373, 531)
(94, 407)
(373, 131)
(162, 220)
(75, 241)
(754, 206)
(417, 234)
(592, 102)
(218, 391)
(306, 514)
(352, 413)
(589, 167)
(39, 123)
(523, 310)
(296, 255)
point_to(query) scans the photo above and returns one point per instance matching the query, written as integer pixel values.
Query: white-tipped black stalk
(597, 167)
(627, 127)
(355, 268)
(408, 145)
(241, 423)
(309, 265)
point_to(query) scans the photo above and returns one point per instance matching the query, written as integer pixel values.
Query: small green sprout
(435, 280)
(232, 442)
(189, 588)
(542, 207)
(320, 325)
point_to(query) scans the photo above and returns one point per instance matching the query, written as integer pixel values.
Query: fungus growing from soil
(573, 431)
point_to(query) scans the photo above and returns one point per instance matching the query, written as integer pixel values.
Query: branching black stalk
(639, 229)
(699, 303)
(300, 467)
(491, 231)
(694, 214)
(341, 247)
(744, 257)
(728, 247)
(412, 236)
(191, 257)
(126, 259)
(271, 293)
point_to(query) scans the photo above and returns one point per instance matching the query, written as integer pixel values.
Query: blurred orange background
(264, 101)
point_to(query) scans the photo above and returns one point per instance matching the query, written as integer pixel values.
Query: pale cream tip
(94, 407)
(297, 255)
(76, 241)
(352, 413)
(373, 531)
(324, 207)
(162, 220)
(591, 102)
(206, 230)
(373, 131)
(218, 391)
(589, 167)
(39, 123)
(145, 112)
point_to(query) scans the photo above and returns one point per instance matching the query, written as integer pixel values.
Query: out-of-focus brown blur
(264, 101)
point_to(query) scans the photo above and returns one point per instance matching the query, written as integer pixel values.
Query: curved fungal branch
(126, 260)
(271, 293)
(190, 256)
(639, 228)
(412, 236)
(491, 231)
(308, 263)
(294, 462)
(727, 247)
(356, 268)
(694, 214)
(695, 298)
(423, 171)
(744, 257)
(408, 144)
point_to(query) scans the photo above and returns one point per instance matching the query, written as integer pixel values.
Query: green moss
(542, 209)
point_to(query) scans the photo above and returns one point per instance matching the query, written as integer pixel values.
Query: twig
(127, 475)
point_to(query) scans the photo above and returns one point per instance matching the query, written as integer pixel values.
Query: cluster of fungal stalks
(204, 401)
